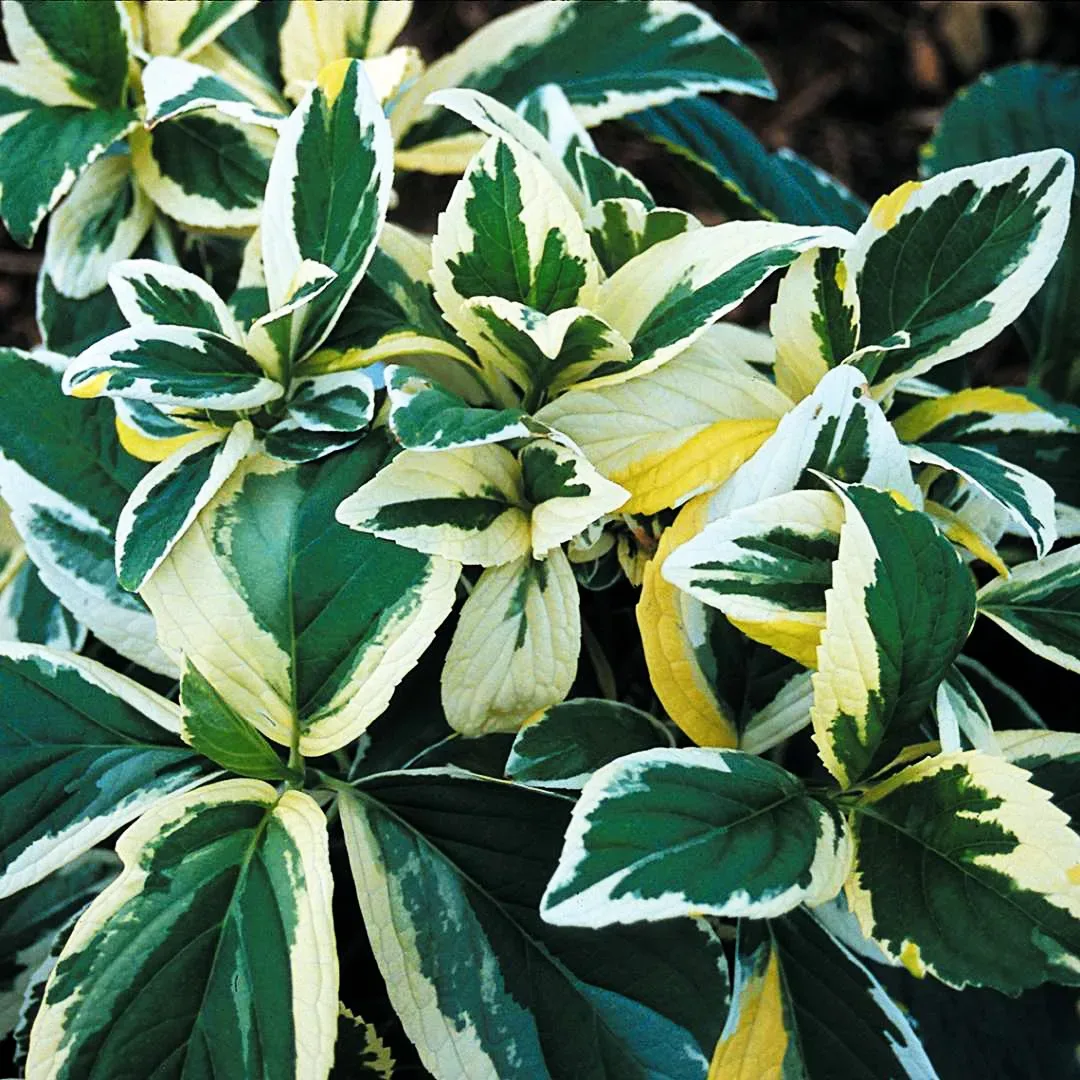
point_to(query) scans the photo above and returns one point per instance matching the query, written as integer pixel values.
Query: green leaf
(562, 746)
(61, 143)
(313, 653)
(84, 751)
(954, 260)
(1013, 110)
(796, 988)
(965, 839)
(66, 479)
(609, 60)
(899, 610)
(32, 919)
(219, 732)
(666, 833)
(327, 196)
(70, 326)
(359, 1051)
(449, 870)
(745, 179)
(213, 952)
(1039, 605)
(171, 365)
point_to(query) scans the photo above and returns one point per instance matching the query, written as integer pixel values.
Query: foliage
(324, 542)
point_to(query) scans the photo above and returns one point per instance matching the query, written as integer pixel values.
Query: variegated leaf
(66, 479)
(175, 88)
(84, 751)
(168, 498)
(961, 716)
(149, 434)
(30, 613)
(795, 986)
(665, 833)
(969, 832)
(563, 746)
(610, 60)
(767, 568)
(515, 648)
(566, 493)
(664, 299)
(427, 416)
(103, 220)
(310, 657)
(899, 610)
(1027, 499)
(224, 897)
(954, 259)
(1039, 605)
(431, 853)
(186, 27)
(206, 169)
(621, 227)
(681, 429)
(815, 320)
(171, 365)
(466, 504)
(327, 196)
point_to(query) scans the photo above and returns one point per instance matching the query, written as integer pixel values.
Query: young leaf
(767, 567)
(1039, 605)
(327, 196)
(679, 430)
(622, 1003)
(664, 833)
(795, 987)
(175, 87)
(515, 648)
(84, 751)
(219, 732)
(214, 948)
(322, 647)
(467, 505)
(562, 746)
(968, 833)
(899, 610)
(952, 261)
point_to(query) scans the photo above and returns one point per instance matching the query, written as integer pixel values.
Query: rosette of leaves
(559, 274)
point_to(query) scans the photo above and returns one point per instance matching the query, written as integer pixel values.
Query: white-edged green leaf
(427, 416)
(465, 504)
(566, 493)
(154, 293)
(602, 179)
(339, 401)
(548, 110)
(962, 716)
(899, 610)
(185, 29)
(322, 647)
(785, 715)
(206, 169)
(171, 365)
(66, 479)
(665, 833)
(213, 951)
(515, 648)
(32, 920)
(767, 568)
(610, 60)
(953, 260)
(360, 1051)
(665, 298)
(219, 732)
(327, 196)
(174, 87)
(681, 429)
(168, 498)
(1039, 605)
(796, 986)
(969, 833)
(148, 433)
(1025, 497)
(84, 751)
(622, 227)
(815, 320)
(29, 612)
(103, 220)
(1053, 759)
(432, 853)
(69, 326)
(563, 746)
